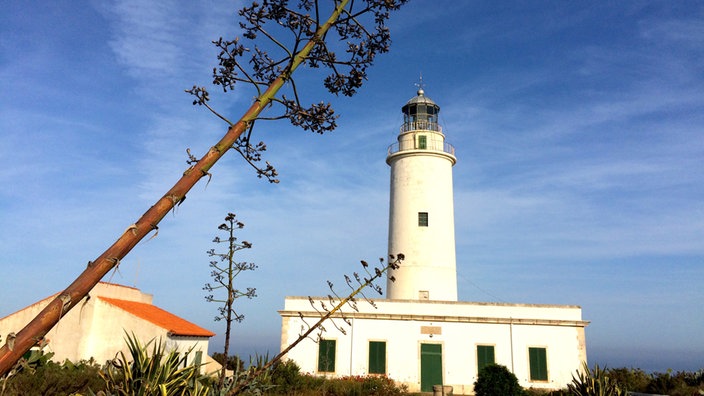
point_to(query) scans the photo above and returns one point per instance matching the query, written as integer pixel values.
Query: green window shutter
(377, 357)
(326, 356)
(485, 356)
(422, 219)
(422, 142)
(538, 364)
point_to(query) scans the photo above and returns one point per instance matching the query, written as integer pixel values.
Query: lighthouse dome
(420, 98)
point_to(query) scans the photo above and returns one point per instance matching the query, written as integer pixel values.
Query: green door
(430, 366)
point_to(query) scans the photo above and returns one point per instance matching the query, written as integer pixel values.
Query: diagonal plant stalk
(393, 263)
(17, 344)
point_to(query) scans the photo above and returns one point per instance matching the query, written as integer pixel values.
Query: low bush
(681, 383)
(307, 384)
(494, 380)
(361, 386)
(630, 379)
(285, 376)
(53, 379)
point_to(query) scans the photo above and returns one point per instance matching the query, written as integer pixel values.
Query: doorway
(430, 366)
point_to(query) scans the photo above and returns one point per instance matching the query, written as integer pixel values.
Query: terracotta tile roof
(172, 323)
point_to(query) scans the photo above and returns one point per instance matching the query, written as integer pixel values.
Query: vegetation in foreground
(621, 381)
(150, 370)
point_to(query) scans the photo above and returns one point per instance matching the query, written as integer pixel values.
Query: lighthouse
(420, 334)
(421, 214)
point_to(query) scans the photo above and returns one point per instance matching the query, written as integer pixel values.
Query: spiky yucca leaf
(594, 382)
(152, 374)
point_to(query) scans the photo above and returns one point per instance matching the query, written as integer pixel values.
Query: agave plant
(155, 373)
(594, 382)
(249, 381)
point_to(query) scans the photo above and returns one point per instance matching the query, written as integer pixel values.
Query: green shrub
(310, 385)
(693, 378)
(286, 376)
(380, 386)
(630, 379)
(681, 383)
(311, 382)
(495, 380)
(51, 379)
(234, 363)
(361, 386)
(661, 383)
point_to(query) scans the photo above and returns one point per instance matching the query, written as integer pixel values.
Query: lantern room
(420, 113)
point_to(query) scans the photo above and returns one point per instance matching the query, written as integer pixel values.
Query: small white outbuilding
(96, 327)
(420, 335)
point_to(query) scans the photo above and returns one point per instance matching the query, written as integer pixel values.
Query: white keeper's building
(420, 335)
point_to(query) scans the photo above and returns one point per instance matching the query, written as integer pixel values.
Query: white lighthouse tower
(421, 214)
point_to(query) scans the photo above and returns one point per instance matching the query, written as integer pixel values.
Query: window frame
(377, 357)
(423, 219)
(481, 358)
(538, 364)
(326, 363)
(422, 142)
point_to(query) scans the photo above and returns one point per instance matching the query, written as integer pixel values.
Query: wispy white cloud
(162, 40)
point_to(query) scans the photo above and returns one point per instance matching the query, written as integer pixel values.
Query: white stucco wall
(404, 325)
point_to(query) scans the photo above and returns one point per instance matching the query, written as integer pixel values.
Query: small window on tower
(422, 219)
(422, 142)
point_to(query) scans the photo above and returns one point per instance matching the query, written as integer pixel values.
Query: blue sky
(579, 129)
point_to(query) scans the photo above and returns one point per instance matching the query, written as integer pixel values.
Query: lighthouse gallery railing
(430, 146)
